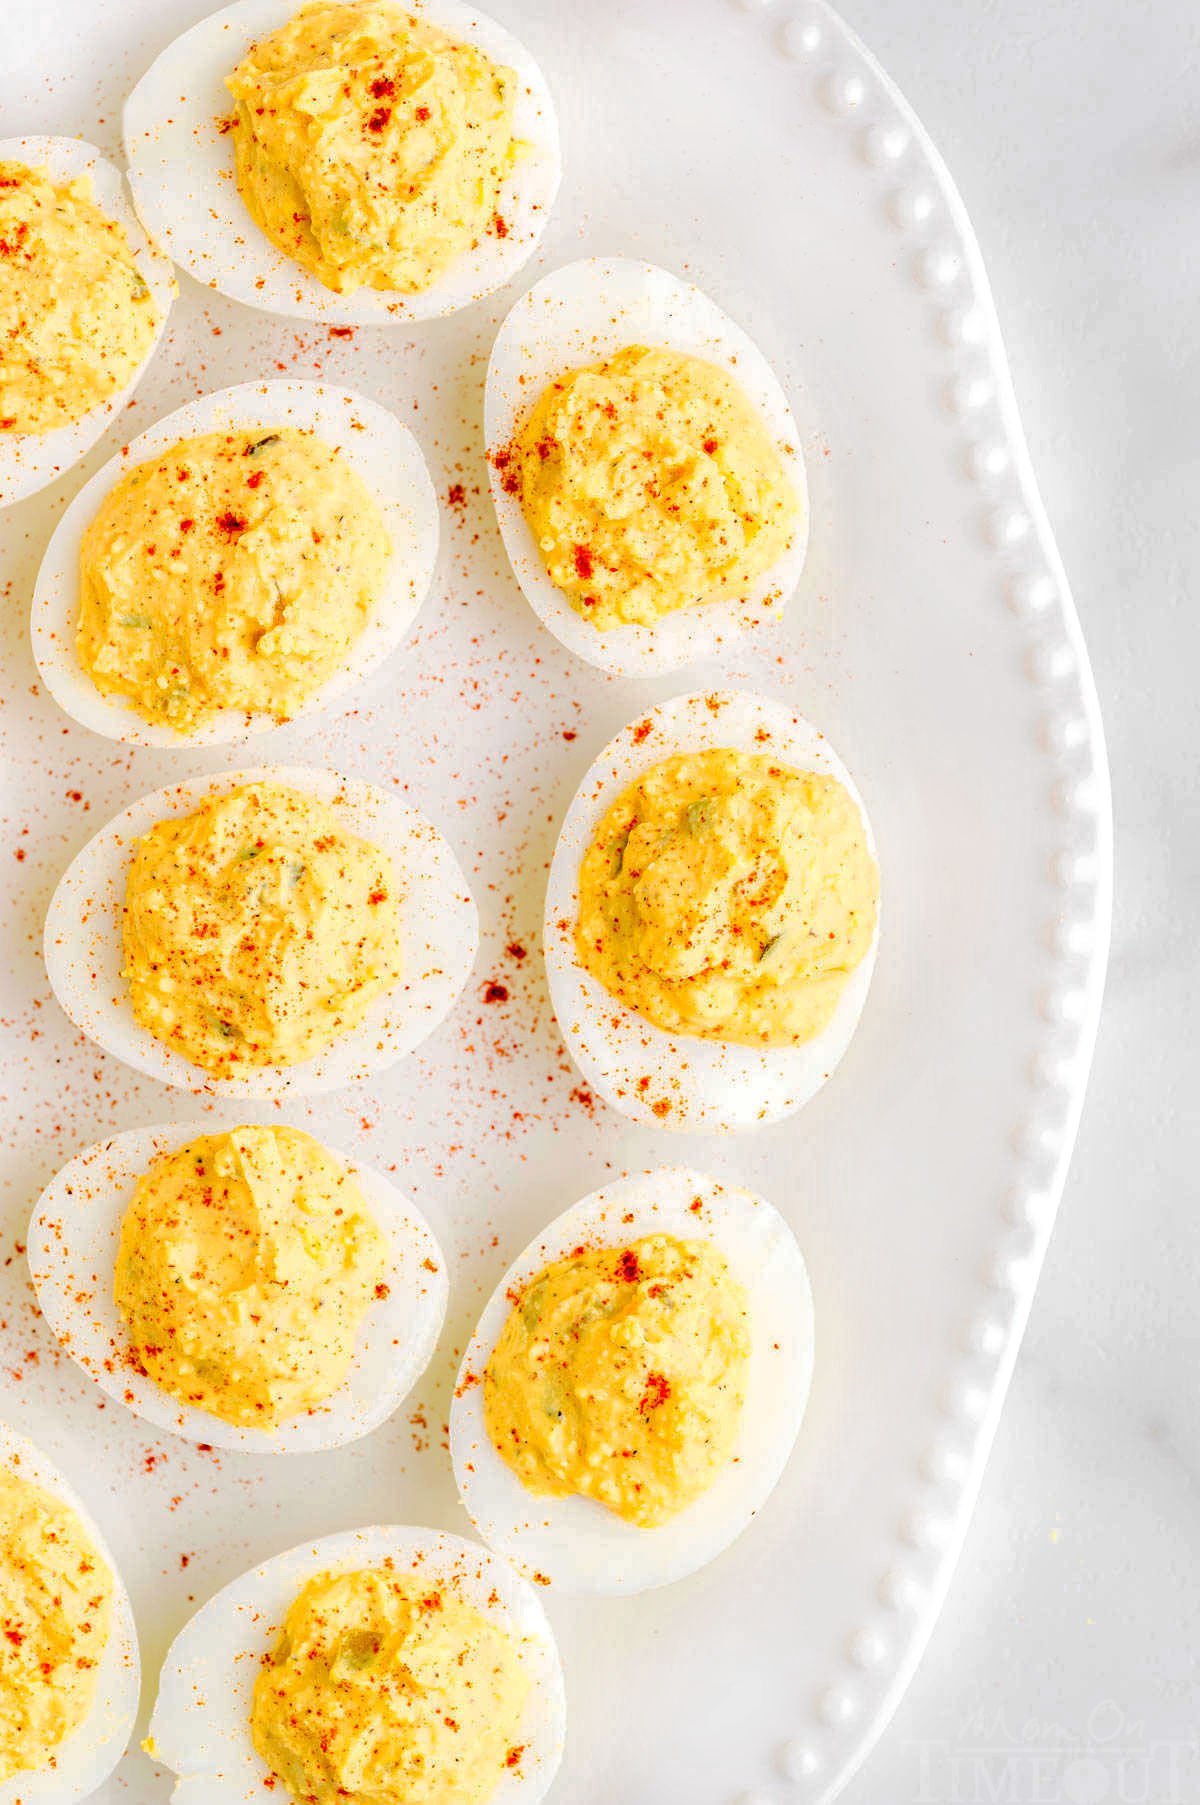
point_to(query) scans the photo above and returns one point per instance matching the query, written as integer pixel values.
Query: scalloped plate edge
(850, 1713)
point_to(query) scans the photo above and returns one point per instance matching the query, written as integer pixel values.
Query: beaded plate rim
(924, 210)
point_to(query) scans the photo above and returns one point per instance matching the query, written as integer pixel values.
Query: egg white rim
(200, 1724)
(181, 170)
(377, 446)
(575, 1543)
(72, 1246)
(31, 461)
(710, 1087)
(439, 922)
(563, 323)
(87, 1757)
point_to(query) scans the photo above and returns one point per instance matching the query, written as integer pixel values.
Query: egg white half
(181, 170)
(578, 316)
(377, 447)
(439, 925)
(30, 461)
(84, 1761)
(200, 1726)
(577, 1544)
(72, 1245)
(675, 1081)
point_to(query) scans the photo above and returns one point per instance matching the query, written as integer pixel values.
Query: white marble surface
(1068, 1647)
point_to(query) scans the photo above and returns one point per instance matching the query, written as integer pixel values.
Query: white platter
(762, 154)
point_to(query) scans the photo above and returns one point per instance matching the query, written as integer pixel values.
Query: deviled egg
(270, 543)
(636, 1383)
(424, 184)
(69, 1675)
(300, 1675)
(272, 930)
(748, 928)
(84, 297)
(159, 1254)
(645, 467)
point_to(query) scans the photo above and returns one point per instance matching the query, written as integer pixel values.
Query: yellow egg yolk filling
(371, 147)
(650, 484)
(620, 1375)
(247, 1262)
(383, 1690)
(233, 570)
(257, 930)
(77, 318)
(728, 897)
(55, 1620)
